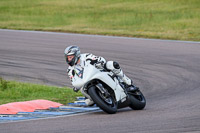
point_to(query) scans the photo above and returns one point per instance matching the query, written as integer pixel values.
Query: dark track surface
(168, 73)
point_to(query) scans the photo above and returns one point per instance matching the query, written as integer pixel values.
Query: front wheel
(138, 101)
(106, 103)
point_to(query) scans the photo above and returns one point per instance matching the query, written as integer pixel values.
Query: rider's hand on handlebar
(75, 89)
(99, 65)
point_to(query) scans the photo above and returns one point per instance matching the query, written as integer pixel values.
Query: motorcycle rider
(76, 62)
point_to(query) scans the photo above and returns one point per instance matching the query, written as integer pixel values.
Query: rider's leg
(115, 68)
(124, 78)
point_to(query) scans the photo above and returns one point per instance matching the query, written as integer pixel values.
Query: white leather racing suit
(110, 65)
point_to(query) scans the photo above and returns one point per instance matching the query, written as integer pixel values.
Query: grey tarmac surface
(168, 73)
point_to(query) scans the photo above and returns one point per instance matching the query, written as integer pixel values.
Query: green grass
(166, 19)
(12, 91)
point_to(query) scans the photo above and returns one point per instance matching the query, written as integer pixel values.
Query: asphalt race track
(168, 73)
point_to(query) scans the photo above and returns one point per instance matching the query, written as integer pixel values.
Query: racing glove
(99, 65)
(75, 89)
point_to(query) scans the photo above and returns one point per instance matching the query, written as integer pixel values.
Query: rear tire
(101, 103)
(137, 99)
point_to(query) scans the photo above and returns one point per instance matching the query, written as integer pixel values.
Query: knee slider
(110, 65)
(116, 65)
(113, 66)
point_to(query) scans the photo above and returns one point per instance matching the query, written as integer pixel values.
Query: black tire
(137, 99)
(108, 108)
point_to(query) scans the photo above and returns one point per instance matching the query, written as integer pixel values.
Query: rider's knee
(116, 65)
(111, 65)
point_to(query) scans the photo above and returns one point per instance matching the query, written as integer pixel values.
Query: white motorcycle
(107, 91)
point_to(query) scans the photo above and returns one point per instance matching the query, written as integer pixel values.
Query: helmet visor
(70, 59)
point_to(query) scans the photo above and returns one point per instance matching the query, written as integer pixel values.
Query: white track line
(54, 117)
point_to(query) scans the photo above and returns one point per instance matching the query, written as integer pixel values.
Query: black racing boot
(132, 88)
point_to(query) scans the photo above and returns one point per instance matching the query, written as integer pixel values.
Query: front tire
(138, 101)
(108, 105)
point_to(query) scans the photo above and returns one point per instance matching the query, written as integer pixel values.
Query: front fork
(100, 87)
(103, 90)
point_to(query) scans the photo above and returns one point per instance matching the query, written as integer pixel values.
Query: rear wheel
(138, 101)
(106, 103)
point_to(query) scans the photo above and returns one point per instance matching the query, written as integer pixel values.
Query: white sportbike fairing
(105, 89)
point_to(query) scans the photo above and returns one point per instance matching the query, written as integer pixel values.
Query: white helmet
(72, 50)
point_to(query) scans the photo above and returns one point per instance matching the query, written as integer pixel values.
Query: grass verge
(12, 91)
(163, 19)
